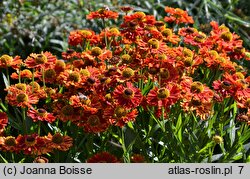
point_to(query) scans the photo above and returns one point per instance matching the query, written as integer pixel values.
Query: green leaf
(178, 128)
(4, 160)
(5, 80)
(209, 145)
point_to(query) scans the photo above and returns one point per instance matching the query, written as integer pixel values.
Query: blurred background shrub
(28, 26)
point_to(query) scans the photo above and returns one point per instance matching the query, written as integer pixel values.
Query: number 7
(241, 168)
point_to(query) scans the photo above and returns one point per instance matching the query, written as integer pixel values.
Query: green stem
(19, 75)
(2, 105)
(39, 128)
(24, 120)
(33, 79)
(105, 35)
(13, 157)
(43, 78)
(125, 152)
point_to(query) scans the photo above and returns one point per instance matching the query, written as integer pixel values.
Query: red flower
(9, 143)
(8, 61)
(102, 14)
(3, 120)
(41, 159)
(178, 16)
(43, 60)
(75, 38)
(32, 144)
(128, 97)
(228, 86)
(196, 97)
(119, 116)
(40, 115)
(169, 36)
(137, 158)
(163, 97)
(225, 41)
(126, 9)
(71, 78)
(93, 123)
(103, 157)
(21, 95)
(59, 142)
(23, 74)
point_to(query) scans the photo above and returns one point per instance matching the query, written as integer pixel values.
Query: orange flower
(59, 142)
(43, 60)
(23, 74)
(126, 9)
(164, 96)
(196, 97)
(9, 143)
(32, 144)
(66, 112)
(41, 159)
(75, 38)
(90, 104)
(8, 61)
(103, 157)
(128, 97)
(225, 41)
(21, 95)
(3, 120)
(40, 115)
(169, 36)
(230, 84)
(102, 14)
(94, 123)
(177, 16)
(152, 46)
(71, 78)
(71, 54)
(119, 116)
(79, 37)
(133, 27)
(137, 158)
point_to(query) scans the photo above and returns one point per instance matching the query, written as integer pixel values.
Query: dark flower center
(40, 59)
(128, 93)
(57, 138)
(10, 141)
(67, 110)
(163, 93)
(91, 80)
(42, 112)
(22, 98)
(30, 140)
(120, 112)
(74, 76)
(164, 73)
(197, 87)
(94, 120)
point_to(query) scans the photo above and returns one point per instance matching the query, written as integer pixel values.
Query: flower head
(103, 157)
(102, 14)
(129, 96)
(59, 142)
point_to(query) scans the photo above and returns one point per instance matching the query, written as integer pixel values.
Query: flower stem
(33, 79)
(105, 35)
(2, 105)
(43, 78)
(24, 120)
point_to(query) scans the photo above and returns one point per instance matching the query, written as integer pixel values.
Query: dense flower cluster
(103, 79)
